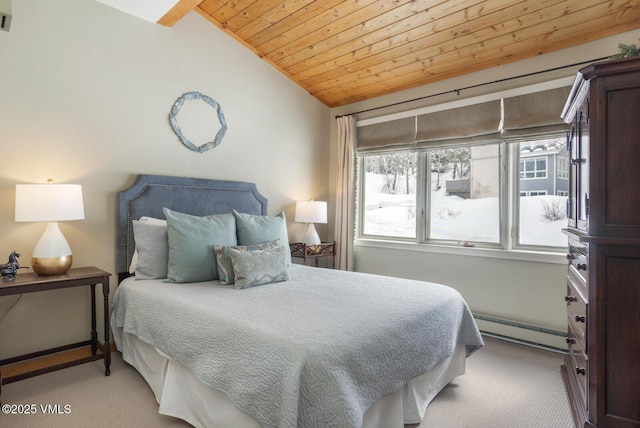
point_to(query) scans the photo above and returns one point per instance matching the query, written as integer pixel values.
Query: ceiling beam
(177, 12)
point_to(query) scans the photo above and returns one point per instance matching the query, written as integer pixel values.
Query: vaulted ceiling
(343, 51)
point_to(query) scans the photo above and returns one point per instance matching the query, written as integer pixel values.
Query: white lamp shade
(311, 212)
(49, 202)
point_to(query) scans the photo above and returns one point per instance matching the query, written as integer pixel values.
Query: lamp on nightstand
(50, 203)
(311, 212)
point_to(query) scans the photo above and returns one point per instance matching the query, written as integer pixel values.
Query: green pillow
(255, 229)
(190, 240)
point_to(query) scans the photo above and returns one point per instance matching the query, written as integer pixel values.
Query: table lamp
(50, 203)
(311, 212)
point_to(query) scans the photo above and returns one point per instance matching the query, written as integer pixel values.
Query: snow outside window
(460, 195)
(389, 196)
(542, 207)
(465, 194)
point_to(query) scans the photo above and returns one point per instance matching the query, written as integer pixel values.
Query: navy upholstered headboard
(196, 196)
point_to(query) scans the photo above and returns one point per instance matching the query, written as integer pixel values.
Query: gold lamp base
(51, 265)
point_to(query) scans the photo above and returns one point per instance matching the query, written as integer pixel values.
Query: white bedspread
(315, 351)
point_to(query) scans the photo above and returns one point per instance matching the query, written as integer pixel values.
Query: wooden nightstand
(314, 251)
(77, 277)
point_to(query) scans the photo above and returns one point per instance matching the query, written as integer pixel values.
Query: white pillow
(134, 259)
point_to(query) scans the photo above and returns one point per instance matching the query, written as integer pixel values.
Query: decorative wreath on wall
(173, 119)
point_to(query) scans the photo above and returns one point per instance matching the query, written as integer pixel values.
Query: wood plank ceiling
(343, 51)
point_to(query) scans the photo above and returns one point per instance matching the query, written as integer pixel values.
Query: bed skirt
(180, 394)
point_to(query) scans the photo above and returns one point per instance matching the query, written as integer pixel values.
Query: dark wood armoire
(602, 367)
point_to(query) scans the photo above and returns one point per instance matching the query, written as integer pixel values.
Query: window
(533, 193)
(563, 168)
(542, 214)
(492, 174)
(466, 195)
(533, 168)
(389, 195)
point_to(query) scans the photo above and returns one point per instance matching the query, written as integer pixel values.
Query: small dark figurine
(9, 270)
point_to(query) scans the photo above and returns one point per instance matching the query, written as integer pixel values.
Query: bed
(280, 345)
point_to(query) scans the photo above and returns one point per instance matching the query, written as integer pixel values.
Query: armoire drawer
(576, 311)
(578, 370)
(576, 341)
(578, 260)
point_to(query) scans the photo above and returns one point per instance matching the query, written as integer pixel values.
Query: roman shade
(513, 119)
(464, 125)
(396, 134)
(534, 115)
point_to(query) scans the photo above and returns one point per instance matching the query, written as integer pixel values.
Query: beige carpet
(506, 385)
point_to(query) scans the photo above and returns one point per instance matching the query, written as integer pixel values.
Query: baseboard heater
(514, 324)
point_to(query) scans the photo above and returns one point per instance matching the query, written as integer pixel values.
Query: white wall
(85, 93)
(528, 292)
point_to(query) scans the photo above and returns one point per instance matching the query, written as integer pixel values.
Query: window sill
(521, 255)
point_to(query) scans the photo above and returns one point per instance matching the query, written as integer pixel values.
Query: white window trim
(508, 212)
(513, 254)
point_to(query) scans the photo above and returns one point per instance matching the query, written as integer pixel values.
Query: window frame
(360, 198)
(515, 193)
(426, 192)
(423, 199)
(509, 176)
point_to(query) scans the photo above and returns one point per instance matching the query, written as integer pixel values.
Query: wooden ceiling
(343, 51)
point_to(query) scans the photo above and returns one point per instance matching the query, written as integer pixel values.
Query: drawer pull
(570, 299)
(581, 370)
(581, 266)
(570, 340)
(581, 318)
